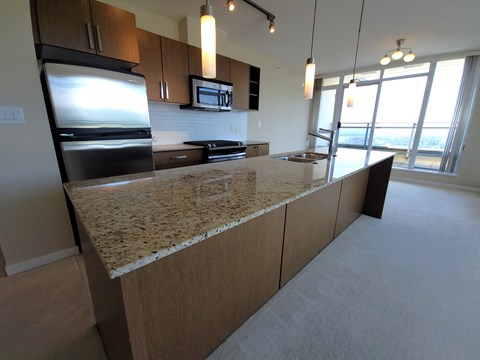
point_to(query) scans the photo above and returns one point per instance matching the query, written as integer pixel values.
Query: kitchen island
(178, 259)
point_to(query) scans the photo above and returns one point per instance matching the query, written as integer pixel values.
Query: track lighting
(397, 53)
(230, 5)
(208, 40)
(271, 28)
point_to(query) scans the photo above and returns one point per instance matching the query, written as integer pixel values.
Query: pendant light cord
(358, 39)
(313, 28)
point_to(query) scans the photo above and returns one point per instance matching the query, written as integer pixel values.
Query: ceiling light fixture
(208, 41)
(397, 53)
(270, 16)
(353, 81)
(310, 67)
(230, 5)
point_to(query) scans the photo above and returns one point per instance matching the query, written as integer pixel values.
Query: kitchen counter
(255, 142)
(137, 219)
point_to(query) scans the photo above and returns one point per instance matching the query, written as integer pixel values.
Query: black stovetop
(215, 143)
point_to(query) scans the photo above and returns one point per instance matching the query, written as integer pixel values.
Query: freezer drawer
(95, 159)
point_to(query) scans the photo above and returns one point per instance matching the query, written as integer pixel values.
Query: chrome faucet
(326, 138)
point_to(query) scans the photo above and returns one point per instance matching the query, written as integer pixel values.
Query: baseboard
(39, 261)
(435, 183)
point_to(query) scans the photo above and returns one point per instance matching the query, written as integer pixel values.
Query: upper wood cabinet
(88, 26)
(240, 77)
(195, 64)
(164, 62)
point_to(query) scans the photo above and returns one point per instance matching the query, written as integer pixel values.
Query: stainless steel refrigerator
(99, 120)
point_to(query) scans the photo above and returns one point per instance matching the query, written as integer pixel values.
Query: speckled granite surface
(173, 147)
(136, 219)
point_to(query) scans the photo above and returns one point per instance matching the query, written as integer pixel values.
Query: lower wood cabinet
(184, 305)
(257, 150)
(352, 198)
(177, 158)
(309, 228)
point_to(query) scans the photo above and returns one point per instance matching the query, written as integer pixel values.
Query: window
(408, 109)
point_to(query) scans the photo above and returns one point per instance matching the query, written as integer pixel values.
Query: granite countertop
(173, 147)
(255, 142)
(134, 220)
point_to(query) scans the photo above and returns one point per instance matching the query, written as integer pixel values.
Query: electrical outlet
(11, 115)
(259, 124)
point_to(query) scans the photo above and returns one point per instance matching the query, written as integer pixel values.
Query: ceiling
(430, 26)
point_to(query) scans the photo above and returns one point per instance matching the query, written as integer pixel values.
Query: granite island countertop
(134, 220)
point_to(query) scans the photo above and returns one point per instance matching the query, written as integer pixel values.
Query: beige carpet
(404, 287)
(46, 314)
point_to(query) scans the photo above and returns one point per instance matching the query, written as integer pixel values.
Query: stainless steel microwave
(209, 95)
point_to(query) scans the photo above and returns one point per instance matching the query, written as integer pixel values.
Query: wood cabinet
(184, 305)
(352, 199)
(257, 150)
(195, 64)
(164, 63)
(254, 89)
(240, 77)
(309, 228)
(86, 25)
(177, 158)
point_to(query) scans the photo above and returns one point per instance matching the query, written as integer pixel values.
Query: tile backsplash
(170, 125)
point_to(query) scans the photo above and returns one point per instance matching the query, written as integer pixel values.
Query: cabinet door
(150, 63)
(251, 151)
(194, 60)
(263, 149)
(309, 228)
(115, 32)
(240, 77)
(351, 200)
(175, 71)
(223, 68)
(65, 23)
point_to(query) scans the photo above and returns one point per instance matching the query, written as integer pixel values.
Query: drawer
(177, 158)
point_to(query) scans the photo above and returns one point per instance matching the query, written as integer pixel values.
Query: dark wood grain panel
(193, 299)
(64, 23)
(377, 188)
(150, 63)
(240, 77)
(177, 158)
(352, 198)
(309, 228)
(251, 151)
(263, 149)
(117, 32)
(194, 60)
(175, 70)
(223, 68)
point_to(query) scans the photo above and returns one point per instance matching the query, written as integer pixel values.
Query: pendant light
(353, 81)
(208, 40)
(310, 68)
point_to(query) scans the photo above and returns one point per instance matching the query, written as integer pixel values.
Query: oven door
(226, 154)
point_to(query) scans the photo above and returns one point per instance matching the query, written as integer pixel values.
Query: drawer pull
(179, 157)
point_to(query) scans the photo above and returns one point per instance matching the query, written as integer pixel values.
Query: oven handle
(240, 155)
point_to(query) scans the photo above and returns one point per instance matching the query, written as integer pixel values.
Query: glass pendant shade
(409, 57)
(208, 41)
(397, 55)
(385, 60)
(351, 93)
(309, 79)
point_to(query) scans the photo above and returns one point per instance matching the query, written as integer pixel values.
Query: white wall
(33, 216)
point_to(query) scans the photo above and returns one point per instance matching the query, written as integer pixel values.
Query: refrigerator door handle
(99, 38)
(90, 36)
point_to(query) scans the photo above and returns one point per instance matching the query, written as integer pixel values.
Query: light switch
(11, 115)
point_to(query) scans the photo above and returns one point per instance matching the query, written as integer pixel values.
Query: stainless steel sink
(306, 157)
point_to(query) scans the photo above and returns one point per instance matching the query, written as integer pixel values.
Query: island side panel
(309, 228)
(377, 188)
(108, 305)
(352, 198)
(192, 300)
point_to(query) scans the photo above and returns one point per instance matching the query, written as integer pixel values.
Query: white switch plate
(11, 115)
(259, 124)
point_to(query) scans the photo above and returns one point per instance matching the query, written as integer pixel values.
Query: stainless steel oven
(221, 150)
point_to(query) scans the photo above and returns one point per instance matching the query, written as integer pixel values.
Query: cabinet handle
(179, 157)
(161, 90)
(166, 90)
(90, 36)
(99, 38)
